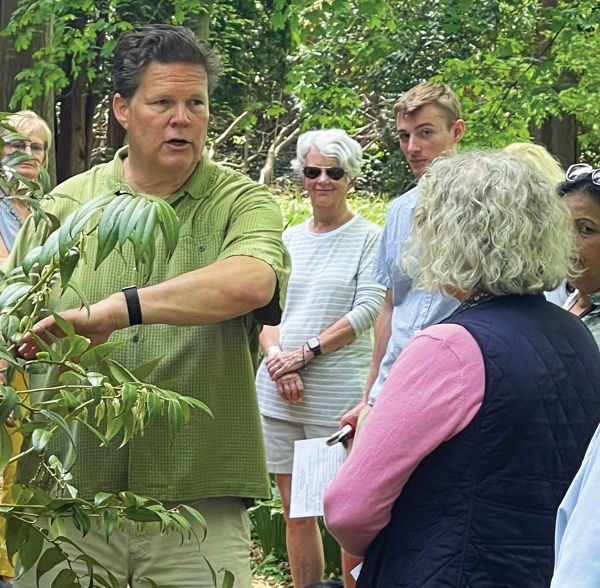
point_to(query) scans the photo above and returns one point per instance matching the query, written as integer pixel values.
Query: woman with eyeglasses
(578, 522)
(35, 143)
(457, 473)
(317, 361)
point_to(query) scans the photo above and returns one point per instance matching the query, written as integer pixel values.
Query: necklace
(474, 300)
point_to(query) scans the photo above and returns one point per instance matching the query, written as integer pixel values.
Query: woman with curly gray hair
(458, 471)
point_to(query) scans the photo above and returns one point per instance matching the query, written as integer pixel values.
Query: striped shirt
(331, 278)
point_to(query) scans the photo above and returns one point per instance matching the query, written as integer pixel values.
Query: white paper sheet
(315, 463)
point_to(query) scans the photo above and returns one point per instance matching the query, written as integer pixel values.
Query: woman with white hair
(457, 473)
(317, 360)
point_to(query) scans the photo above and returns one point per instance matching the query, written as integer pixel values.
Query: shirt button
(135, 338)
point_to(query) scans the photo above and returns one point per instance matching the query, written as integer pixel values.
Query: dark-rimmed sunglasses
(312, 172)
(579, 171)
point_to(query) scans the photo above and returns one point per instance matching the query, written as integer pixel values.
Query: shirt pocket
(198, 250)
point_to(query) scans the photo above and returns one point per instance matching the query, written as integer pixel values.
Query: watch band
(314, 345)
(134, 308)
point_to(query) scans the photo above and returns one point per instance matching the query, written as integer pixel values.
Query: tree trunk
(558, 133)
(200, 23)
(75, 130)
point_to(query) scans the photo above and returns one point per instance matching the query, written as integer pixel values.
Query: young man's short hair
(438, 94)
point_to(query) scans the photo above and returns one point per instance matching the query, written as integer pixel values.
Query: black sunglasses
(312, 172)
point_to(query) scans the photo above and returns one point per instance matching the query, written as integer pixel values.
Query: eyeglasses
(37, 149)
(312, 172)
(579, 171)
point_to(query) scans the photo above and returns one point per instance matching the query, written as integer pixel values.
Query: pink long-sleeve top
(433, 392)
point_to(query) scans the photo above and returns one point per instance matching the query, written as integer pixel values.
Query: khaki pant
(136, 553)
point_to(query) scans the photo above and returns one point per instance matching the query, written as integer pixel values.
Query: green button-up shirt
(222, 214)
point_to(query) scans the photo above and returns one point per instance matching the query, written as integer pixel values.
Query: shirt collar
(194, 187)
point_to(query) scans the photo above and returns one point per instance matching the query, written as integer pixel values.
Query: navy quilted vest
(479, 511)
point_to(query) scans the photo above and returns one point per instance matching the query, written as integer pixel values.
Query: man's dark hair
(160, 43)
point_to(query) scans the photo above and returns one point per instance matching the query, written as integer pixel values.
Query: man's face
(167, 117)
(424, 135)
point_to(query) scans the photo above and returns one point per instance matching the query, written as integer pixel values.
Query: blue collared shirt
(413, 309)
(577, 540)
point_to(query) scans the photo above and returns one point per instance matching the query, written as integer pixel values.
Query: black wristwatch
(314, 345)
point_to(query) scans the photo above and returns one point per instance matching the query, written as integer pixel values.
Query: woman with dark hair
(455, 476)
(581, 192)
(578, 523)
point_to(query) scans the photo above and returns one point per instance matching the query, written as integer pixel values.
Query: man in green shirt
(201, 311)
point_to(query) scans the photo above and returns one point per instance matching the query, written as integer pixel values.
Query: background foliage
(524, 70)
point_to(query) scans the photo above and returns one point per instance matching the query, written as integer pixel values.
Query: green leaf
(66, 579)
(129, 394)
(67, 266)
(12, 293)
(131, 216)
(109, 522)
(114, 423)
(77, 220)
(192, 512)
(31, 259)
(15, 534)
(9, 325)
(108, 227)
(81, 520)
(65, 326)
(5, 446)
(228, 578)
(154, 406)
(169, 225)
(141, 514)
(40, 438)
(50, 559)
(75, 287)
(103, 498)
(175, 419)
(96, 354)
(49, 249)
(119, 372)
(10, 398)
(78, 345)
(60, 421)
(103, 440)
(31, 549)
(143, 371)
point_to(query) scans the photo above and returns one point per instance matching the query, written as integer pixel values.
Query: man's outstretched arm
(224, 290)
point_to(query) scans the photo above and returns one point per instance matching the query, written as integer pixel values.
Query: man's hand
(290, 387)
(104, 318)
